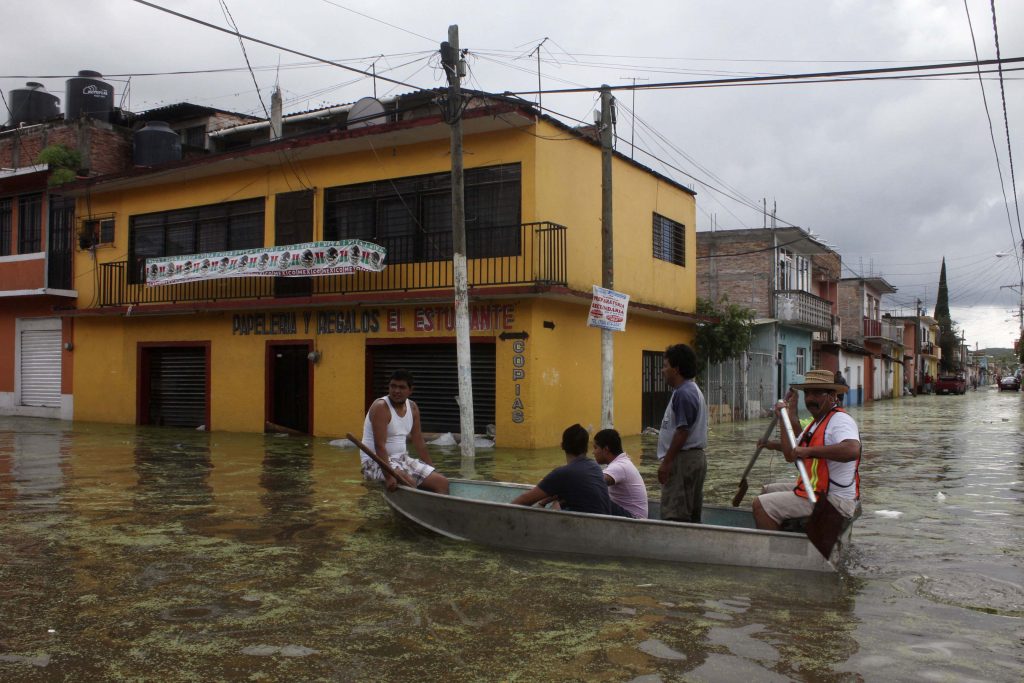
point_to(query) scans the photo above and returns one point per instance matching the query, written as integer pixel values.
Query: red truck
(951, 384)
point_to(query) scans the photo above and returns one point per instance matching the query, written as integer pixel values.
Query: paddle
(742, 490)
(825, 523)
(400, 477)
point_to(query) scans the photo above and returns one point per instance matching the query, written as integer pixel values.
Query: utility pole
(607, 270)
(454, 67)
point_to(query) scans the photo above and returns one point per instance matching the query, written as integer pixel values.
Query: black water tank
(87, 95)
(155, 144)
(32, 104)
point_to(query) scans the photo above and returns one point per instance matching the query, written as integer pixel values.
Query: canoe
(481, 512)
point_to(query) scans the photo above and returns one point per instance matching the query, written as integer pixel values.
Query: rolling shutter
(435, 370)
(40, 368)
(177, 387)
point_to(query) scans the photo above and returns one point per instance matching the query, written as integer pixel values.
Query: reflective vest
(817, 468)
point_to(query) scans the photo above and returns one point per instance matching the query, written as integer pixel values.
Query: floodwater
(173, 555)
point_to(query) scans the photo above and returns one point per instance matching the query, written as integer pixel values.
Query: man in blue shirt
(579, 484)
(682, 439)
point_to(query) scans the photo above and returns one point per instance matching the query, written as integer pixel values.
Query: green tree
(63, 161)
(948, 340)
(726, 332)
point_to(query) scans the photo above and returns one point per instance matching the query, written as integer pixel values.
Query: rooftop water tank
(87, 95)
(32, 104)
(155, 144)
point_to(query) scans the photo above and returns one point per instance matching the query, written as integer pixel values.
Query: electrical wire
(1009, 147)
(381, 21)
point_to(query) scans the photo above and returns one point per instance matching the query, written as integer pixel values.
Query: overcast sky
(894, 174)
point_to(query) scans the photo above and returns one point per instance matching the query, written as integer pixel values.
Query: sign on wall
(608, 310)
(310, 259)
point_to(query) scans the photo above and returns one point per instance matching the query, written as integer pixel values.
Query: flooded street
(162, 554)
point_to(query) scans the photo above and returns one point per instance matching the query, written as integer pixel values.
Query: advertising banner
(608, 310)
(311, 259)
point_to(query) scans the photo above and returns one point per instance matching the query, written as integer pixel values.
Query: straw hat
(820, 379)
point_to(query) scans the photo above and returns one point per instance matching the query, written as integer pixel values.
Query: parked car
(950, 384)
(1009, 383)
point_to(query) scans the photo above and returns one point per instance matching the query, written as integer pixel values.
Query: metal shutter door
(177, 387)
(40, 368)
(435, 370)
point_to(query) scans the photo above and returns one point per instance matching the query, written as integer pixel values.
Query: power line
(381, 21)
(273, 45)
(790, 77)
(1006, 123)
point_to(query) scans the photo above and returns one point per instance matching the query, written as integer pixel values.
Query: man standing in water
(830, 449)
(682, 439)
(390, 421)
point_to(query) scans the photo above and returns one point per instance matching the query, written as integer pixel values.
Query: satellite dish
(366, 112)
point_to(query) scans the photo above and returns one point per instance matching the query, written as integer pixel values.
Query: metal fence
(536, 256)
(742, 388)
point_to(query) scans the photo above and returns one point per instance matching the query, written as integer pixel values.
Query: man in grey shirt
(682, 439)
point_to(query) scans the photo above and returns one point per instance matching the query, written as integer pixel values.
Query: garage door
(40, 368)
(177, 386)
(435, 369)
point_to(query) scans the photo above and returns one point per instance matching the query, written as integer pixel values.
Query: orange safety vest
(817, 468)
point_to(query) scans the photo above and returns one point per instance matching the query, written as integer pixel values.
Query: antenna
(540, 97)
(632, 106)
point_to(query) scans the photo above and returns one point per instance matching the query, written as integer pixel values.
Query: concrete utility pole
(607, 270)
(454, 68)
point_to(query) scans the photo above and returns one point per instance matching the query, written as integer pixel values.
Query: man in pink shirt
(626, 487)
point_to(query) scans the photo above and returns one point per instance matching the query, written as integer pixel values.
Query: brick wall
(746, 278)
(104, 148)
(851, 309)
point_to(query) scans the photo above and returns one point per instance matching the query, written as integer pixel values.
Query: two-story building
(310, 354)
(39, 230)
(860, 307)
(772, 271)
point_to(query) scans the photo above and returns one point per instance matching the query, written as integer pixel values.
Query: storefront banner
(311, 259)
(608, 310)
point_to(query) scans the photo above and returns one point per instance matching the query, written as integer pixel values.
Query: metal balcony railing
(803, 308)
(877, 329)
(532, 253)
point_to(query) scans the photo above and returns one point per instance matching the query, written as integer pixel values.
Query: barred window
(801, 360)
(200, 229)
(669, 240)
(6, 214)
(30, 223)
(412, 217)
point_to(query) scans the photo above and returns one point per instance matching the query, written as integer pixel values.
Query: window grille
(30, 223)
(6, 214)
(669, 240)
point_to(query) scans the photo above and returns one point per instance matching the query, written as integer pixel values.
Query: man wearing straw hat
(830, 449)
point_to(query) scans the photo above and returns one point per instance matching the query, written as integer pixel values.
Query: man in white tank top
(390, 421)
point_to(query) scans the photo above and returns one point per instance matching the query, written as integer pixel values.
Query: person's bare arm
(417, 436)
(665, 468)
(844, 451)
(534, 495)
(609, 479)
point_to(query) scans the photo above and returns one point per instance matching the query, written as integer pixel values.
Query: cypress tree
(947, 335)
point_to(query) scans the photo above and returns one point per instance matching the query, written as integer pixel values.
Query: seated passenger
(626, 487)
(578, 485)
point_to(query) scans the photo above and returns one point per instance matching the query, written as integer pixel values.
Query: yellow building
(311, 353)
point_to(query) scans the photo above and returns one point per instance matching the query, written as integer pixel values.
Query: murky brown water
(158, 554)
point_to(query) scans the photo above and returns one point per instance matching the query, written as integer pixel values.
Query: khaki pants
(682, 498)
(780, 503)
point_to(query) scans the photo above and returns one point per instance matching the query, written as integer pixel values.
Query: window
(96, 231)
(201, 229)
(801, 360)
(669, 240)
(6, 214)
(30, 223)
(412, 217)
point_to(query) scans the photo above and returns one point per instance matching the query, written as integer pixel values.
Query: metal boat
(481, 512)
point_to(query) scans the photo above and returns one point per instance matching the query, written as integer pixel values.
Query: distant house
(865, 330)
(789, 279)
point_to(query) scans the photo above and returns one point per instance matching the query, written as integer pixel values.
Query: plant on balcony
(63, 162)
(727, 332)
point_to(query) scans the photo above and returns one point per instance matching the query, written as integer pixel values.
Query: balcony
(830, 336)
(878, 329)
(802, 308)
(532, 254)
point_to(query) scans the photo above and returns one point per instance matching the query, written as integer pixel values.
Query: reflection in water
(162, 554)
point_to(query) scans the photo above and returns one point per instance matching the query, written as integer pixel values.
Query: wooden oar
(825, 523)
(742, 490)
(400, 477)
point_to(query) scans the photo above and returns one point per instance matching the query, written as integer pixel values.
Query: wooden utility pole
(454, 67)
(607, 270)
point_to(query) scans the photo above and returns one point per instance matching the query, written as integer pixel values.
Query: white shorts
(415, 468)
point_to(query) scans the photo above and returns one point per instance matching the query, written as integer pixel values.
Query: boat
(481, 512)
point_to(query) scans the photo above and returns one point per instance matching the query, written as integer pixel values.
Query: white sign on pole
(608, 310)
